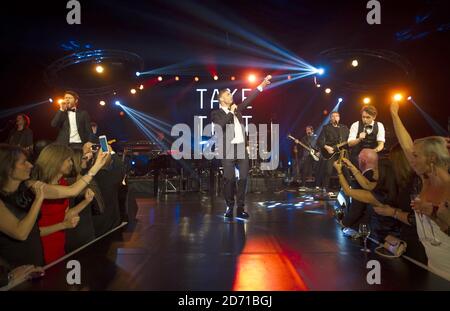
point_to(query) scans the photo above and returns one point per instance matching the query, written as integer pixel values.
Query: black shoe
(228, 213)
(243, 214)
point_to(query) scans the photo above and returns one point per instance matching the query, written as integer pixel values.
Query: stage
(181, 242)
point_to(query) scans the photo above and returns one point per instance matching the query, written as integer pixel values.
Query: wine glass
(364, 231)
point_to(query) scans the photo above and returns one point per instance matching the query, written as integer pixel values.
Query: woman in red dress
(55, 162)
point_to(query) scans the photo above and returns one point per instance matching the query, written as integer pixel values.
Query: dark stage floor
(182, 242)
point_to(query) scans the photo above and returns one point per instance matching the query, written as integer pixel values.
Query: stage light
(133, 91)
(251, 78)
(159, 78)
(121, 113)
(328, 90)
(133, 163)
(102, 103)
(60, 101)
(141, 87)
(50, 100)
(409, 98)
(138, 73)
(216, 78)
(320, 71)
(366, 100)
(177, 78)
(99, 69)
(233, 78)
(340, 100)
(289, 163)
(355, 63)
(318, 85)
(117, 103)
(196, 79)
(398, 97)
(289, 77)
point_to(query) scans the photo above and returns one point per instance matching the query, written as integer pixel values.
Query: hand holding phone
(103, 143)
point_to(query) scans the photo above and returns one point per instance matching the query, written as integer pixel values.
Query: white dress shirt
(74, 135)
(354, 131)
(238, 134)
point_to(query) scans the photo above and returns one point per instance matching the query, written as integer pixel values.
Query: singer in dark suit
(74, 124)
(230, 113)
(366, 133)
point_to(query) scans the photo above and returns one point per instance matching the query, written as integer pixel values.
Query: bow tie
(73, 110)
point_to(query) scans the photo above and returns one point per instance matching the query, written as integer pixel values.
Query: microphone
(367, 128)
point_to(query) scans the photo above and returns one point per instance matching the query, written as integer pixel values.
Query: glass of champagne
(364, 231)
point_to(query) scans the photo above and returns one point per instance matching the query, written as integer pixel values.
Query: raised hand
(394, 107)
(71, 222)
(266, 81)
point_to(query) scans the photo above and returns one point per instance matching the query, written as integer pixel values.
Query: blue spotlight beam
(12, 111)
(150, 118)
(278, 53)
(144, 129)
(437, 128)
(221, 22)
(327, 119)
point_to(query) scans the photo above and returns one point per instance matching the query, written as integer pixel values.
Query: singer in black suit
(366, 134)
(230, 113)
(74, 124)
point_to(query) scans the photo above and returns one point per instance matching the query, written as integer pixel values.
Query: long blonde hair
(49, 162)
(435, 150)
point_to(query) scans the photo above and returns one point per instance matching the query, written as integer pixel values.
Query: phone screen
(103, 143)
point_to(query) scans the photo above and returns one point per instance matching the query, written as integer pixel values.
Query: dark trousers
(308, 168)
(230, 187)
(325, 172)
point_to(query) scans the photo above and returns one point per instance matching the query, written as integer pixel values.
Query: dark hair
(370, 110)
(25, 118)
(335, 112)
(93, 124)
(404, 174)
(310, 127)
(222, 91)
(73, 93)
(8, 157)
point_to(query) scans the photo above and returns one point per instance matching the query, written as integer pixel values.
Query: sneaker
(228, 213)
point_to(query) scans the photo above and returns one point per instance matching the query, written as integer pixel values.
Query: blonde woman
(429, 158)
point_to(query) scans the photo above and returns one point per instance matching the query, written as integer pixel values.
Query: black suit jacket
(61, 121)
(221, 118)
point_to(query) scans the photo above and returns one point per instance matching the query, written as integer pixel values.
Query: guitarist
(332, 134)
(308, 165)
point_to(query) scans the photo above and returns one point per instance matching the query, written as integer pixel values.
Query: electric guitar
(336, 149)
(312, 152)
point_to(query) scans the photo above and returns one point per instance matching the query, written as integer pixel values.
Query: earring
(433, 170)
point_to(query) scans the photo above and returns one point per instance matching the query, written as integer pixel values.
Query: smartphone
(103, 143)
